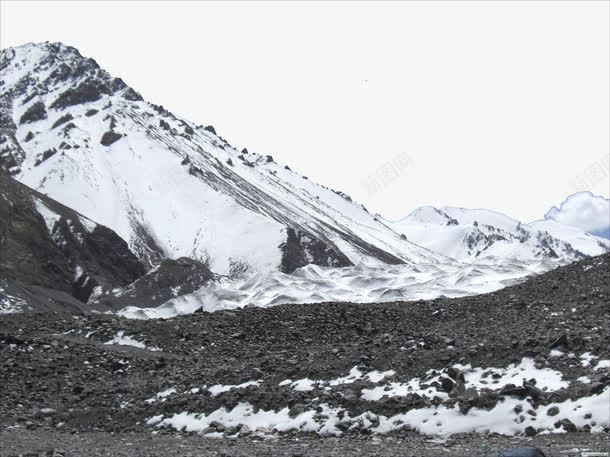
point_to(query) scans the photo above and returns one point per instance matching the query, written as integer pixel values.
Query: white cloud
(584, 210)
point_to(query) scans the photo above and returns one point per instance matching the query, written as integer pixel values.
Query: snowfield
(359, 284)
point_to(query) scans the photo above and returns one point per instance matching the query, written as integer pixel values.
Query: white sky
(500, 105)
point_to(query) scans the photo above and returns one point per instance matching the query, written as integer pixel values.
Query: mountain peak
(168, 187)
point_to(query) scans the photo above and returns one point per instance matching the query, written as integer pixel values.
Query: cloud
(584, 210)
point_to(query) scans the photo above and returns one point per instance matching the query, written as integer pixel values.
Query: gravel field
(88, 384)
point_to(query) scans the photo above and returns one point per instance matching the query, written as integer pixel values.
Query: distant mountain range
(474, 233)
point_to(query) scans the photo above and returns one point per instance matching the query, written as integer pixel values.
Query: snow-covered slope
(585, 242)
(465, 234)
(171, 188)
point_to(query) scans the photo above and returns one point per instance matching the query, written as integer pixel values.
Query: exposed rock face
(300, 249)
(46, 244)
(170, 279)
(36, 112)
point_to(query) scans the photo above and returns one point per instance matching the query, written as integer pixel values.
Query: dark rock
(595, 388)
(87, 91)
(567, 425)
(62, 120)
(30, 255)
(512, 390)
(110, 137)
(301, 249)
(447, 384)
(530, 431)
(560, 342)
(36, 112)
(552, 411)
(170, 279)
(45, 155)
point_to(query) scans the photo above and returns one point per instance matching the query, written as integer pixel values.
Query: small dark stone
(530, 431)
(552, 411)
(567, 425)
(561, 342)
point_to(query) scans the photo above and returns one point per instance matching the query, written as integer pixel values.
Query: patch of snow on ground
(10, 304)
(502, 418)
(547, 379)
(587, 411)
(477, 378)
(125, 340)
(586, 359)
(220, 388)
(355, 374)
(161, 395)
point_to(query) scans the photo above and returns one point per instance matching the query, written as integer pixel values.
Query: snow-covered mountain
(477, 233)
(168, 187)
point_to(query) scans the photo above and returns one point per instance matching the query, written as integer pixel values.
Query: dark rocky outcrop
(110, 137)
(36, 112)
(86, 91)
(301, 249)
(62, 120)
(68, 256)
(44, 156)
(170, 279)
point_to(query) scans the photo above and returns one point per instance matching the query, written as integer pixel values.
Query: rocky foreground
(456, 377)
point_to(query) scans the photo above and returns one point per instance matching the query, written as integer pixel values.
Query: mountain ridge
(78, 134)
(464, 233)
